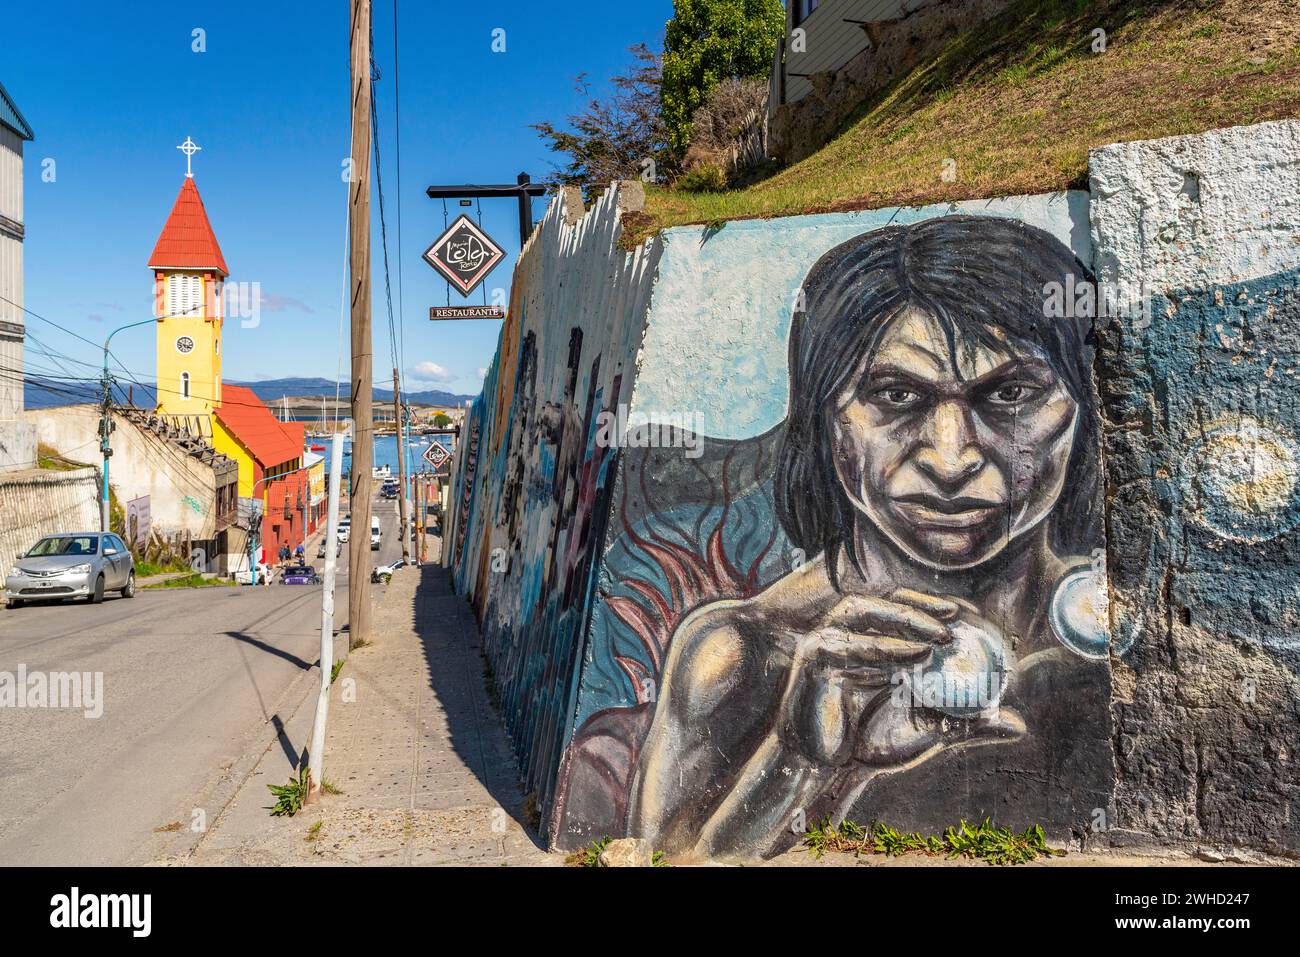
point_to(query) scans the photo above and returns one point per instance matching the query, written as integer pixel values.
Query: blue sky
(112, 89)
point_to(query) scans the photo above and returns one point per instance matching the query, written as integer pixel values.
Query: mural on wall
(532, 484)
(889, 605)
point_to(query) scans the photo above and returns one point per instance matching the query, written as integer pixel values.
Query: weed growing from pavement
(588, 856)
(289, 797)
(984, 841)
(334, 672)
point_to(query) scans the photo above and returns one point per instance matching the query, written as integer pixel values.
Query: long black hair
(976, 275)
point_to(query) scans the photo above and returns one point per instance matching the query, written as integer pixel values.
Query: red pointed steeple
(187, 241)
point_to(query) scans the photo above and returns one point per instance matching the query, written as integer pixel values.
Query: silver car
(72, 565)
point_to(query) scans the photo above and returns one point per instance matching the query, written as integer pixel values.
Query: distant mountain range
(272, 390)
(39, 393)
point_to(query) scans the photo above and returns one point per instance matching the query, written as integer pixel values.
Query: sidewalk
(424, 767)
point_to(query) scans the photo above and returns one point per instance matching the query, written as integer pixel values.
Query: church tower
(189, 273)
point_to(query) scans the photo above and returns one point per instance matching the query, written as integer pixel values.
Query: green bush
(703, 179)
(707, 41)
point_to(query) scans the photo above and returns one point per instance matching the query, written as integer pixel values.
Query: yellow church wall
(225, 443)
(203, 362)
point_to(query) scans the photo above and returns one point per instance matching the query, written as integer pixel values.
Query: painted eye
(897, 396)
(1011, 393)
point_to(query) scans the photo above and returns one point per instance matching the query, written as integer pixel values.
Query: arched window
(185, 385)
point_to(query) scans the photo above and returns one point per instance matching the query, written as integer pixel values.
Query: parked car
(72, 565)
(263, 576)
(345, 529)
(338, 548)
(383, 574)
(300, 575)
(375, 535)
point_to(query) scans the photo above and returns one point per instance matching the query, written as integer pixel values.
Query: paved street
(418, 752)
(197, 684)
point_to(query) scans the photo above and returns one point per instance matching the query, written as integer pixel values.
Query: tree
(619, 137)
(441, 420)
(707, 41)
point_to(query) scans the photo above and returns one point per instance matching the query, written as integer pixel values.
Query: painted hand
(952, 700)
(842, 660)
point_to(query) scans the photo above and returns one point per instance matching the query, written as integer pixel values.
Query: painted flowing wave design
(673, 558)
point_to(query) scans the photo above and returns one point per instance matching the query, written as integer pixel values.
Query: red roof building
(270, 455)
(187, 240)
(272, 442)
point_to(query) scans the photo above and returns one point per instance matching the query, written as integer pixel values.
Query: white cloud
(482, 373)
(431, 372)
(272, 302)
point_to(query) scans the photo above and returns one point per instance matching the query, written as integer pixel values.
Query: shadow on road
(272, 650)
(296, 758)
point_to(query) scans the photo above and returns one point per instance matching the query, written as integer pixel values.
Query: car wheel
(129, 590)
(98, 595)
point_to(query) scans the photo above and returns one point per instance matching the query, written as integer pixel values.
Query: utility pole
(403, 531)
(363, 423)
(419, 517)
(105, 446)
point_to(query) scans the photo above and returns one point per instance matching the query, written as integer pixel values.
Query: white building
(833, 32)
(17, 439)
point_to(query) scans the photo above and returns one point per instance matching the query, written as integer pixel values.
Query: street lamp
(106, 422)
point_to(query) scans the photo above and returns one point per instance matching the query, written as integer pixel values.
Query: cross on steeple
(189, 148)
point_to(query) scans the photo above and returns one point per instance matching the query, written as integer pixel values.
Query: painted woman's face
(952, 451)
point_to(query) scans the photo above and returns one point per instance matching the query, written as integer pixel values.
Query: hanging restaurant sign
(466, 312)
(464, 255)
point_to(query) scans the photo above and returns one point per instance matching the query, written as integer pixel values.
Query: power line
(34, 315)
(397, 133)
(383, 221)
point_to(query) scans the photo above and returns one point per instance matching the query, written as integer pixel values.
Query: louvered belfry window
(184, 294)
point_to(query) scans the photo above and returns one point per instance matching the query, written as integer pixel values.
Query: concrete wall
(36, 502)
(1202, 412)
(181, 489)
(711, 483)
(530, 497)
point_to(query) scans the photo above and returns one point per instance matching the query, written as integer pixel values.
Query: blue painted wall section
(1203, 502)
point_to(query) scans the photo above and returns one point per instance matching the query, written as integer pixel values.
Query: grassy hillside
(1018, 103)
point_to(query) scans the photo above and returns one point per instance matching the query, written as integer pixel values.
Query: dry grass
(1018, 103)
(47, 457)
